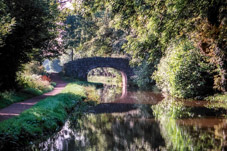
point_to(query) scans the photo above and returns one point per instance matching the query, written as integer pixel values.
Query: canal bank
(142, 120)
(44, 118)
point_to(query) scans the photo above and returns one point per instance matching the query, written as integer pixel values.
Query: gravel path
(16, 108)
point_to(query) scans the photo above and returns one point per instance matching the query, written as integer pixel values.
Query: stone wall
(79, 68)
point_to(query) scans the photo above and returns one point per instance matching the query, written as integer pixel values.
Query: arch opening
(105, 75)
(115, 81)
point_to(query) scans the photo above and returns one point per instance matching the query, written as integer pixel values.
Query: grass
(43, 119)
(9, 97)
(218, 97)
(217, 101)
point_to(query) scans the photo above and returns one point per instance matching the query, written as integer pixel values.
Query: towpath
(16, 108)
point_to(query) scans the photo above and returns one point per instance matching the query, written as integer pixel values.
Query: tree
(33, 36)
(153, 26)
(6, 22)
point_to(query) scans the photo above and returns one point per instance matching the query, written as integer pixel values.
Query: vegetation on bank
(159, 37)
(183, 135)
(217, 97)
(181, 39)
(28, 31)
(184, 72)
(217, 101)
(44, 118)
(32, 81)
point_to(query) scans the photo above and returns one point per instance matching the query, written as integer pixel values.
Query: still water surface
(129, 123)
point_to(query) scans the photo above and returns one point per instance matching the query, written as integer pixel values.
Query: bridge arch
(79, 68)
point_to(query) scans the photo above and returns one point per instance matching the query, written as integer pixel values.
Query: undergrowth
(43, 119)
(9, 97)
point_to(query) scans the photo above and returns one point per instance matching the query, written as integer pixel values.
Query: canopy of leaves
(28, 31)
(152, 26)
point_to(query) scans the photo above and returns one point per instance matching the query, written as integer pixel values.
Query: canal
(142, 120)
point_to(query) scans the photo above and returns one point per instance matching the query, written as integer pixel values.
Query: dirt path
(16, 108)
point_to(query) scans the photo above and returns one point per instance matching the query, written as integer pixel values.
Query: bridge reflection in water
(127, 122)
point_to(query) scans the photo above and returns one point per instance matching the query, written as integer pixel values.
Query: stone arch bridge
(79, 68)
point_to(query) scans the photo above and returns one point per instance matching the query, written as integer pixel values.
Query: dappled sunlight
(22, 103)
(9, 114)
(19, 107)
(139, 75)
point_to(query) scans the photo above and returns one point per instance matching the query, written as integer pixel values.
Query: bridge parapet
(79, 68)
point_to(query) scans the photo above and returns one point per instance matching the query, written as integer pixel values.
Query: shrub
(143, 74)
(184, 72)
(34, 77)
(34, 81)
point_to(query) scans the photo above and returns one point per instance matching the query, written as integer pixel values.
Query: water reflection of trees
(103, 132)
(108, 132)
(190, 128)
(133, 127)
(109, 93)
(184, 137)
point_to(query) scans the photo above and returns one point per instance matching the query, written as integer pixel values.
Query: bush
(143, 74)
(34, 77)
(184, 72)
(35, 82)
(31, 84)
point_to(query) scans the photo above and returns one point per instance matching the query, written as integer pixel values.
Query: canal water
(142, 120)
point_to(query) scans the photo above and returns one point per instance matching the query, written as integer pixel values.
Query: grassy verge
(218, 97)
(9, 97)
(217, 100)
(43, 119)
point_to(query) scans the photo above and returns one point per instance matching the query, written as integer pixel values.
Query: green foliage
(31, 84)
(184, 72)
(217, 97)
(143, 75)
(107, 76)
(32, 28)
(152, 27)
(217, 101)
(41, 120)
(31, 78)
(6, 22)
(78, 30)
(33, 67)
(9, 97)
(172, 108)
(35, 82)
